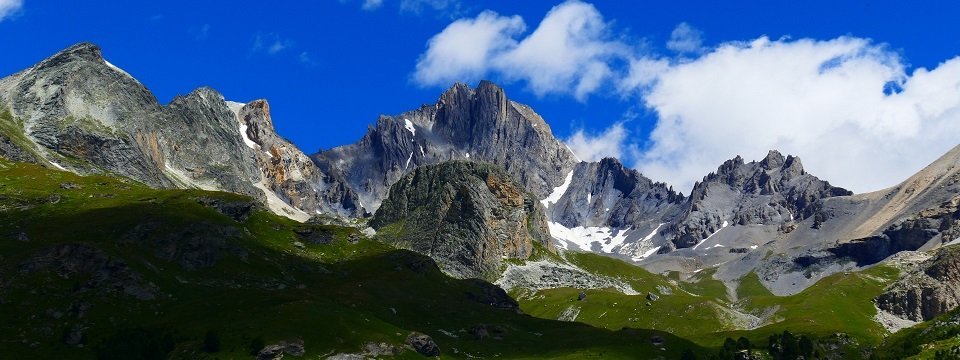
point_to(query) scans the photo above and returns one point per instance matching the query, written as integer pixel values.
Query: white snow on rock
(646, 254)
(409, 125)
(246, 139)
(117, 69)
(422, 154)
(725, 224)
(56, 165)
(408, 161)
(468, 155)
(584, 237)
(558, 191)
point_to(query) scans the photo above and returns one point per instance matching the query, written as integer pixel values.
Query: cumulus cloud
(595, 146)
(827, 101)
(849, 107)
(9, 8)
(568, 53)
(465, 48)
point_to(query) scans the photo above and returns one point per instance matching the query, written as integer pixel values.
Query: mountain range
(479, 184)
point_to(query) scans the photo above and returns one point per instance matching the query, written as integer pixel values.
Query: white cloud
(371, 4)
(568, 53)
(595, 146)
(827, 101)
(821, 100)
(464, 49)
(270, 43)
(9, 8)
(685, 39)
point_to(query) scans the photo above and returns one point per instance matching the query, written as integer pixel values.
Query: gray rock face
(291, 174)
(775, 190)
(78, 112)
(607, 194)
(479, 124)
(467, 216)
(930, 290)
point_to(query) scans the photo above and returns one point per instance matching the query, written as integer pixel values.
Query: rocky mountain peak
(775, 190)
(773, 160)
(479, 124)
(84, 51)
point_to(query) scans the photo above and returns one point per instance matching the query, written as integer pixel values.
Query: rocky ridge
(469, 217)
(76, 111)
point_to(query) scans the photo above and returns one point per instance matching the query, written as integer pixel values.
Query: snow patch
(584, 237)
(57, 165)
(235, 108)
(408, 161)
(246, 139)
(409, 125)
(725, 224)
(117, 69)
(422, 154)
(468, 155)
(589, 198)
(647, 254)
(558, 191)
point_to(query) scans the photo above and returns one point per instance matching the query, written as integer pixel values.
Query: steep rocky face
(74, 106)
(467, 216)
(775, 190)
(927, 291)
(606, 194)
(78, 112)
(478, 124)
(288, 172)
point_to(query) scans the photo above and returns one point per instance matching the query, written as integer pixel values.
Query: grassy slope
(841, 303)
(335, 296)
(682, 313)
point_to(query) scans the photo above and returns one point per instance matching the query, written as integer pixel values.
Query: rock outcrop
(474, 124)
(468, 216)
(928, 291)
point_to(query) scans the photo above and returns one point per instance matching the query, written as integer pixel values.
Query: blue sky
(330, 67)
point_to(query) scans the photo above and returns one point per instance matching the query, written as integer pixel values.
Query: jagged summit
(480, 124)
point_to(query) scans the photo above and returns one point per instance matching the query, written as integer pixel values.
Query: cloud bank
(849, 107)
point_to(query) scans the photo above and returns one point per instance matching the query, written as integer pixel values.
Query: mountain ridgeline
(478, 182)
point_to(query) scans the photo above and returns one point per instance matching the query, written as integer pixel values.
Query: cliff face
(467, 216)
(479, 124)
(926, 291)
